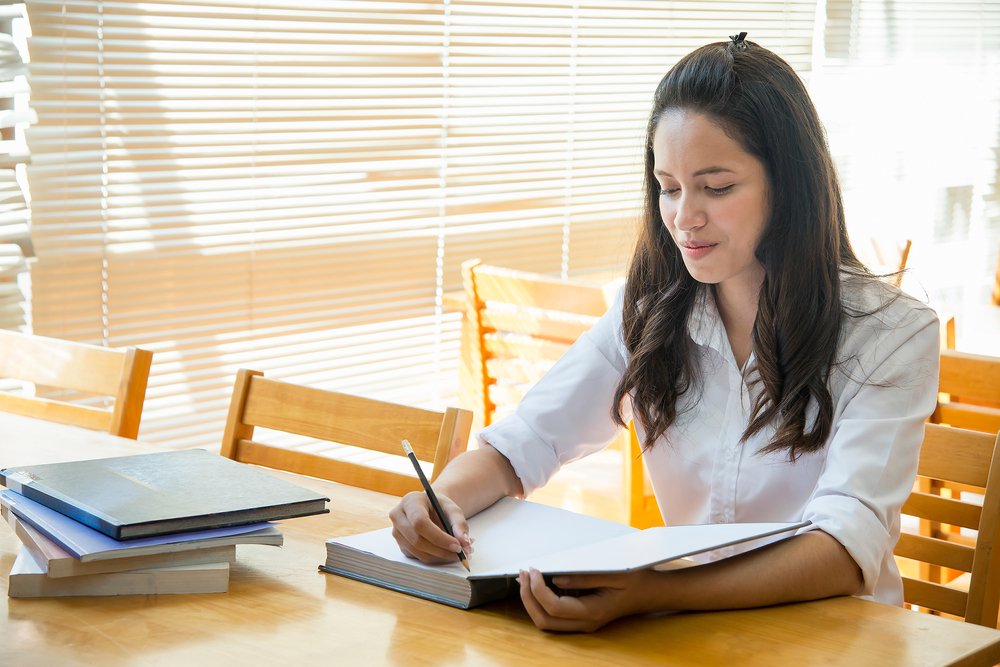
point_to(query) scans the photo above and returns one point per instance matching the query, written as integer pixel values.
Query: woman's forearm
(806, 567)
(477, 479)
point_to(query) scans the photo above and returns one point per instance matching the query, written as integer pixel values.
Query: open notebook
(514, 534)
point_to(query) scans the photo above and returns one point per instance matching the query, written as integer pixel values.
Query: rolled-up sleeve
(567, 414)
(872, 456)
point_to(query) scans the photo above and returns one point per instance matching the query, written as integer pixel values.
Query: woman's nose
(688, 214)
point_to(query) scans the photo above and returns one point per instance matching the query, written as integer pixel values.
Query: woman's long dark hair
(759, 101)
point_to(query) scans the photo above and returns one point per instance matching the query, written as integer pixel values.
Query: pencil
(434, 501)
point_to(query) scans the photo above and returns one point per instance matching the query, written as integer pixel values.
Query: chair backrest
(964, 457)
(972, 382)
(121, 374)
(518, 324)
(885, 256)
(353, 421)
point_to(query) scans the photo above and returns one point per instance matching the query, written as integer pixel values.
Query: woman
(770, 376)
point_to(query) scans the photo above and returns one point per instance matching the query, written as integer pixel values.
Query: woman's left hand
(596, 600)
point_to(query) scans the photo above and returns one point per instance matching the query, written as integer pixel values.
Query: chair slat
(349, 419)
(965, 415)
(936, 552)
(55, 411)
(943, 510)
(538, 291)
(537, 325)
(316, 465)
(361, 425)
(522, 347)
(955, 455)
(934, 596)
(121, 374)
(970, 376)
(516, 370)
(67, 364)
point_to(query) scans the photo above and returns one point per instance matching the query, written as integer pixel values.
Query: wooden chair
(643, 510)
(520, 324)
(968, 458)
(517, 325)
(885, 256)
(92, 370)
(966, 381)
(971, 383)
(359, 423)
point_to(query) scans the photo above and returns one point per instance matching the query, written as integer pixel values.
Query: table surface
(279, 607)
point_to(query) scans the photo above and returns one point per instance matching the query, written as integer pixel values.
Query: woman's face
(713, 199)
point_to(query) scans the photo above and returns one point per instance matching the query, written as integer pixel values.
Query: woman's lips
(696, 249)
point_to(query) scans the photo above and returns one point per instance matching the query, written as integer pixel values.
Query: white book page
(510, 535)
(513, 535)
(382, 544)
(656, 545)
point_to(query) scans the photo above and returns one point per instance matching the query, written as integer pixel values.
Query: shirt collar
(705, 323)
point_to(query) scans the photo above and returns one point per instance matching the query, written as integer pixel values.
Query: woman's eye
(669, 192)
(718, 191)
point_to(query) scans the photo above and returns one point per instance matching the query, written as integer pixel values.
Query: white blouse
(883, 388)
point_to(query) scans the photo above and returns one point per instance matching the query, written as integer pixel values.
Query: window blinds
(293, 187)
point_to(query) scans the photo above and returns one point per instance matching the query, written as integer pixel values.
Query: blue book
(126, 497)
(86, 544)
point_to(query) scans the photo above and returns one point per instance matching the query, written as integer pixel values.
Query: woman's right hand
(420, 535)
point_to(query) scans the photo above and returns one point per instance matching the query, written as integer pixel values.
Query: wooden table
(280, 610)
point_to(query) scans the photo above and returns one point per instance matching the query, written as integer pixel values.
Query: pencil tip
(465, 563)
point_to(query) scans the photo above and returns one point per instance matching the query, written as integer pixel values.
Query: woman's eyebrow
(713, 170)
(700, 172)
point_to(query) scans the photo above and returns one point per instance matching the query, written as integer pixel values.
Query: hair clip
(739, 40)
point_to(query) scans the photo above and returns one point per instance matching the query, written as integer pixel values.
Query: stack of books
(158, 523)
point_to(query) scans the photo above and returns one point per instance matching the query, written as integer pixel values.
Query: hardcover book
(166, 492)
(514, 534)
(58, 563)
(88, 545)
